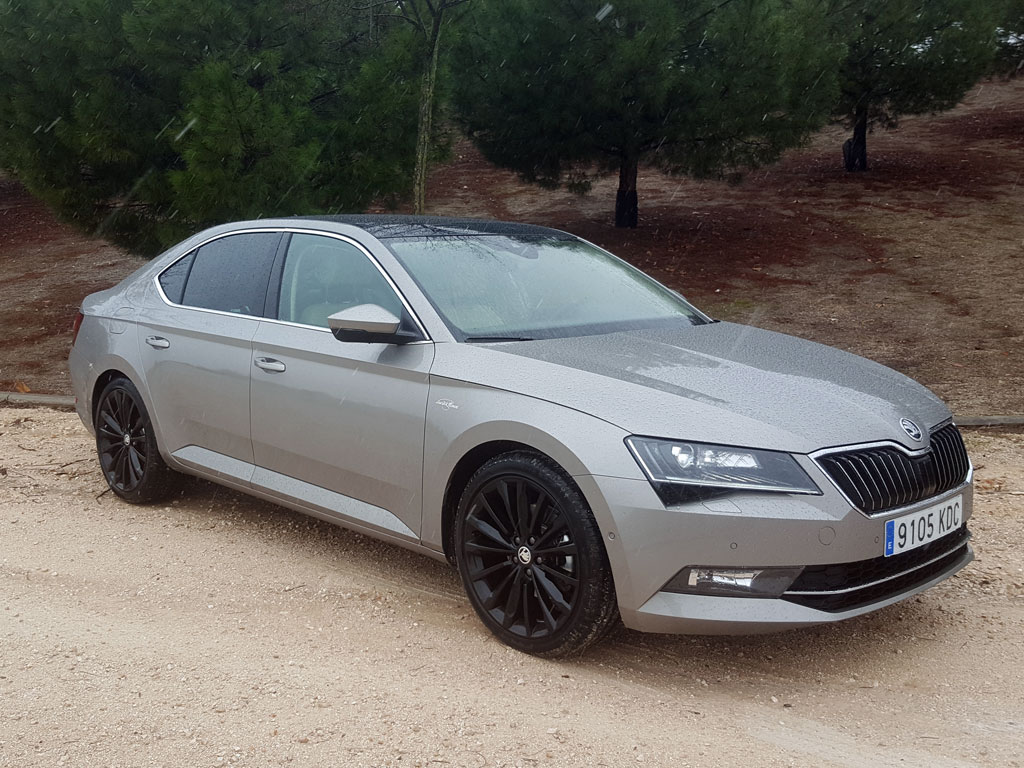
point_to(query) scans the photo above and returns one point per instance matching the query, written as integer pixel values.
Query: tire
(531, 557)
(126, 446)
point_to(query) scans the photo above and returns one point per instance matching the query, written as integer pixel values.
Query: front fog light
(733, 582)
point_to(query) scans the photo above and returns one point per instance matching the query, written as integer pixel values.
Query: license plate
(918, 528)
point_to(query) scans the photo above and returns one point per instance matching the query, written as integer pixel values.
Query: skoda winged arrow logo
(911, 429)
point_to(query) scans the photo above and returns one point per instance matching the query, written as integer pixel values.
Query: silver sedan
(581, 442)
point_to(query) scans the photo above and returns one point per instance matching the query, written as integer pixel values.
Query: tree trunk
(426, 117)
(855, 150)
(627, 211)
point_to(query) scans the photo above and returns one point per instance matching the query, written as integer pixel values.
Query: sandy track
(222, 630)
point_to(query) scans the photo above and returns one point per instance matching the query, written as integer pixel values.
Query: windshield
(497, 287)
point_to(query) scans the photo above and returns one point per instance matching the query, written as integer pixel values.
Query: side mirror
(369, 324)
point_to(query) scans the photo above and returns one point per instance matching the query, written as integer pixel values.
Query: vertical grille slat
(943, 459)
(879, 479)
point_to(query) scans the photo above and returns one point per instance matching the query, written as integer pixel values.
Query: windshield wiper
(490, 339)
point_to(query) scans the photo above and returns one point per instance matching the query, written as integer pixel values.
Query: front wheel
(126, 444)
(531, 557)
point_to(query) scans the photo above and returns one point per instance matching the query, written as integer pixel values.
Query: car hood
(720, 382)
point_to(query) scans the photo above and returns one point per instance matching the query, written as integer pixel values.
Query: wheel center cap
(525, 555)
(127, 439)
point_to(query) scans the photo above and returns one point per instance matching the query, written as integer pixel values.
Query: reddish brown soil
(46, 269)
(916, 264)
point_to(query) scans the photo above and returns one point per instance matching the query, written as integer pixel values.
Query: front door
(338, 425)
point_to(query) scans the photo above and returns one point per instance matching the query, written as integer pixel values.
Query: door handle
(269, 364)
(158, 342)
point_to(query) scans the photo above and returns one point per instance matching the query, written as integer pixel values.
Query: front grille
(879, 479)
(846, 586)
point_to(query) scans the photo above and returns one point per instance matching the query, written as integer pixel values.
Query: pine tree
(562, 92)
(424, 35)
(1010, 57)
(149, 120)
(907, 57)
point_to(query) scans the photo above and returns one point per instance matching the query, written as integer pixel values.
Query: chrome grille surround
(878, 478)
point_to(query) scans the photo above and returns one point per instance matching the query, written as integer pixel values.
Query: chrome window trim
(299, 231)
(907, 451)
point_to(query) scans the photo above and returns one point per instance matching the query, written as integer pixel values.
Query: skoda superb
(581, 442)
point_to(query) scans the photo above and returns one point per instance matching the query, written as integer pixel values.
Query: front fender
(462, 416)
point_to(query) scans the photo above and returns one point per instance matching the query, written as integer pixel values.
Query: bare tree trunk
(426, 119)
(627, 210)
(855, 150)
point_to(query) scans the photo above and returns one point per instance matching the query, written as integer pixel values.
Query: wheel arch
(100, 384)
(459, 478)
(114, 367)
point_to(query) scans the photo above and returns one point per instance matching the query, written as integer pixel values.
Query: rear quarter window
(230, 274)
(173, 279)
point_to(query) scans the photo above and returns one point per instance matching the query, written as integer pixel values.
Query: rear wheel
(126, 444)
(531, 558)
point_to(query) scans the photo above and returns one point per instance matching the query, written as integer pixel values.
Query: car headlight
(677, 462)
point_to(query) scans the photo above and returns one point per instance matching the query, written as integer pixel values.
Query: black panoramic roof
(385, 226)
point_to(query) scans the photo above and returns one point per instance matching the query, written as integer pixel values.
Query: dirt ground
(917, 264)
(220, 630)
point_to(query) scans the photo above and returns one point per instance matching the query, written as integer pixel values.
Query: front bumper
(648, 544)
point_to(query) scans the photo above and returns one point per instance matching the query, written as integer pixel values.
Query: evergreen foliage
(148, 120)
(908, 57)
(562, 92)
(1010, 57)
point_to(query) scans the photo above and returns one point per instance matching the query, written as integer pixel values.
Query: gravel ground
(223, 630)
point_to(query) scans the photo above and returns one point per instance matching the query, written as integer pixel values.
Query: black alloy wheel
(531, 557)
(129, 457)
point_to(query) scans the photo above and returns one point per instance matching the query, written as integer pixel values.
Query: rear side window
(173, 278)
(231, 274)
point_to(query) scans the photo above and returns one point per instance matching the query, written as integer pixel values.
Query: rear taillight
(76, 327)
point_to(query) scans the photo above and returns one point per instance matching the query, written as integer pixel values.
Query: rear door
(338, 425)
(197, 350)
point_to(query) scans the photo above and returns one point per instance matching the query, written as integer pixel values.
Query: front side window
(323, 275)
(489, 287)
(230, 274)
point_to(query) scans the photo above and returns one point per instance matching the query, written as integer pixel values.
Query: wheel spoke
(494, 516)
(535, 511)
(565, 578)
(119, 406)
(111, 422)
(512, 604)
(522, 512)
(503, 492)
(482, 549)
(496, 595)
(110, 456)
(136, 464)
(483, 573)
(568, 548)
(558, 526)
(122, 468)
(490, 532)
(134, 416)
(527, 622)
(549, 619)
(551, 590)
